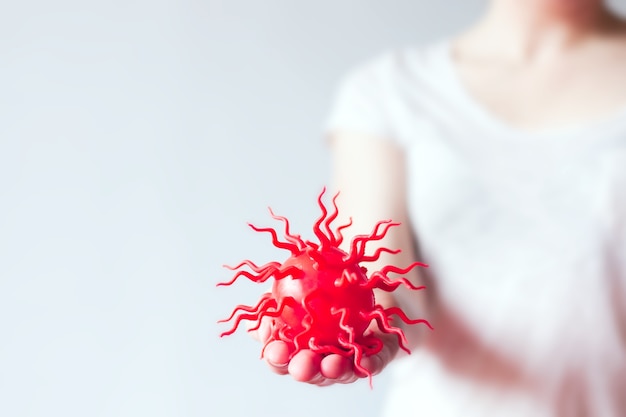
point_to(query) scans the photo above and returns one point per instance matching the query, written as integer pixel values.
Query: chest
(517, 236)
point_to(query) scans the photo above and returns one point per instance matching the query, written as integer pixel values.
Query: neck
(529, 29)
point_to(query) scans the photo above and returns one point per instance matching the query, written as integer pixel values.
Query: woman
(503, 153)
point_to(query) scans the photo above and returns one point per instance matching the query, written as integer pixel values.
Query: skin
(533, 64)
(545, 64)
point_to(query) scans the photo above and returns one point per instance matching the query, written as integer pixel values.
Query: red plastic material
(322, 299)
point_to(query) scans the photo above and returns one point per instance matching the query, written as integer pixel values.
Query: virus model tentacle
(379, 234)
(278, 309)
(281, 245)
(354, 347)
(382, 320)
(321, 260)
(372, 345)
(398, 312)
(255, 315)
(262, 277)
(346, 278)
(260, 306)
(324, 240)
(301, 340)
(292, 271)
(325, 349)
(390, 268)
(284, 333)
(376, 235)
(329, 220)
(343, 322)
(339, 231)
(254, 267)
(291, 238)
(265, 273)
(376, 255)
(382, 282)
(312, 245)
(357, 351)
(282, 304)
(357, 246)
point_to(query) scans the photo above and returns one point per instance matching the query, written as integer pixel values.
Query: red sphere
(320, 294)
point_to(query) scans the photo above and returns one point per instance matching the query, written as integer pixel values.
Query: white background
(136, 140)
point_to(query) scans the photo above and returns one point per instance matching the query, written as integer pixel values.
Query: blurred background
(137, 138)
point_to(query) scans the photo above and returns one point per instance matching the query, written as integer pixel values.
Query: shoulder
(400, 64)
(376, 96)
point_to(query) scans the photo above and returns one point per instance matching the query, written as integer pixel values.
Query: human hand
(323, 370)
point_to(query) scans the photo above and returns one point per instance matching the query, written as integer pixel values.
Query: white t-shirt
(525, 235)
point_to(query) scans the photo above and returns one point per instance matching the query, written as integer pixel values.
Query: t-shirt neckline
(444, 55)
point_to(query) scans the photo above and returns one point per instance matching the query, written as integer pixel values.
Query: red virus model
(322, 298)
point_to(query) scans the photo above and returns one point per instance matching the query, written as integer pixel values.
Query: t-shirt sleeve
(359, 104)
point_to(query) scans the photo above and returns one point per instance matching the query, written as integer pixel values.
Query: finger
(262, 333)
(276, 355)
(324, 382)
(348, 378)
(335, 366)
(305, 365)
(374, 364)
(320, 381)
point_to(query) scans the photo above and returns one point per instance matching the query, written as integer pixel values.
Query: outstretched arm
(369, 174)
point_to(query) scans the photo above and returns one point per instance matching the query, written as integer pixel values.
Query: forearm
(369, 175)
